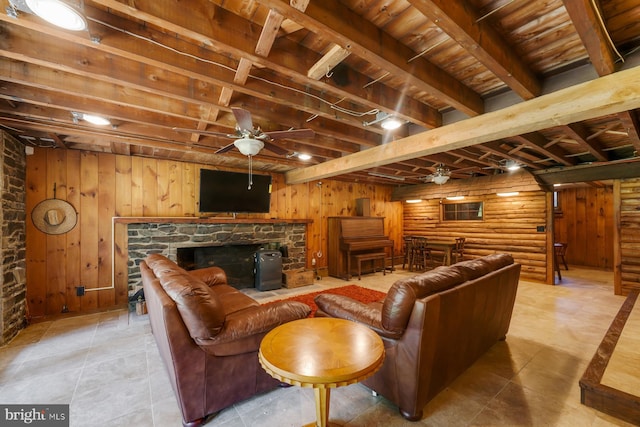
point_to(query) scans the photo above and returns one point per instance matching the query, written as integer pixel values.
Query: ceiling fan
(249, 140)
(440, 176)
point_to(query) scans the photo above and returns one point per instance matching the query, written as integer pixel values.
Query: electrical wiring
(332, 105)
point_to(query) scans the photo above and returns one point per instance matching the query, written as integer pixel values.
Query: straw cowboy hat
(54, 216)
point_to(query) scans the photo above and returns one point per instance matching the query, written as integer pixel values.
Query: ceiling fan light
(440, 179)
(58, 13)
(249, 146)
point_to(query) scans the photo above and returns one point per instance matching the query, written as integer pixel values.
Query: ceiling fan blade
(293, 133)
(275, 148)
(243, 117)
(225, 149)
(205, 132)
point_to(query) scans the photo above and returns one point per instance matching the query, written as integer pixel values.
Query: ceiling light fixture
(91, 118)
(441, 175)
(248, 146)
(301, 156)
(455, 198)
(391, 123)
(508, 194)
(512, 165)
(387, 121)
(413, 200)
(59, 13)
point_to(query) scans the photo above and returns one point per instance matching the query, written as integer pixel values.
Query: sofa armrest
(243, 331)
(344, 307)
(210, 275)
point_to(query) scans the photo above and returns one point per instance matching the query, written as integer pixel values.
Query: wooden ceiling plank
(222, 38)
(586, 19)
(580, 134)
(67, 59)
(538, 142)
(323, 67)
(483, 42)
(605, 95)
(631, 124)
(343, 27)
(269, 33)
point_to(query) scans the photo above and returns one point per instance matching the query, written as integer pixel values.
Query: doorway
(584, 220)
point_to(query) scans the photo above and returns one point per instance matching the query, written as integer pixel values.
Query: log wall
(103, 186)
(585, 222)
(510, 224)
(628, 272)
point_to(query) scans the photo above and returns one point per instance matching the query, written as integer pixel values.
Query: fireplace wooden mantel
(206, 220)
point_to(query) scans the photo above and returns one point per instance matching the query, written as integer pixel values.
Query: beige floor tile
(107, 366)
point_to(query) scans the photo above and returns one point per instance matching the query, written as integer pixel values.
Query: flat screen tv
(223, 191)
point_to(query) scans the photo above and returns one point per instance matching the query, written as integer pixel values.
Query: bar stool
(458, 252)
(561, 251)
(420, 253)
(406, 259)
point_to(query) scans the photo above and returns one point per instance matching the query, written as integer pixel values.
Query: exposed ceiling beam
(344, 27)
(588, 22)
(605, 95)
(481, 40)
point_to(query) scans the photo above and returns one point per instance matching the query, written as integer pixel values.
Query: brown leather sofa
(434, 326)
(208, 334)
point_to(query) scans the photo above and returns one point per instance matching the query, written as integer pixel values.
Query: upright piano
(351, 235)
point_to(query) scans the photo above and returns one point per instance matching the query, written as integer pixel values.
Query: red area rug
(356, 292)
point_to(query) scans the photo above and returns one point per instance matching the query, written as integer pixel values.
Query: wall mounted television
(223, 191)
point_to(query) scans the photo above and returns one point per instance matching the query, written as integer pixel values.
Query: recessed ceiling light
(58, 13)
(391, 123)
(96, 120)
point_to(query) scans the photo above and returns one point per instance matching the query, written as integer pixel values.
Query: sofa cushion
(478, 267)
(402, 295)
(199, 306)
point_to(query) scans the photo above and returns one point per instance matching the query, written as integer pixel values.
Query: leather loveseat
(434, 326)
(208, 334)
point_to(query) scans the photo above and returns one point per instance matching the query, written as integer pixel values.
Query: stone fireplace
(13, 286)
(230, 244)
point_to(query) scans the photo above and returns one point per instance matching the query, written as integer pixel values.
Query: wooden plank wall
(101, 186)
(509, 225)
(586, 224)
(629, 212)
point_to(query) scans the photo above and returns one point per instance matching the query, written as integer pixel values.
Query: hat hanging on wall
(54, 216)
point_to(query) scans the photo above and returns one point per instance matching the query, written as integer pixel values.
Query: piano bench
(371, 257)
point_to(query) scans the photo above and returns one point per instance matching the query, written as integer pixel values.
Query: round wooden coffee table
(322, 353)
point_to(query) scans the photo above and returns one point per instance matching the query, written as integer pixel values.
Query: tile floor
(107, 367)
